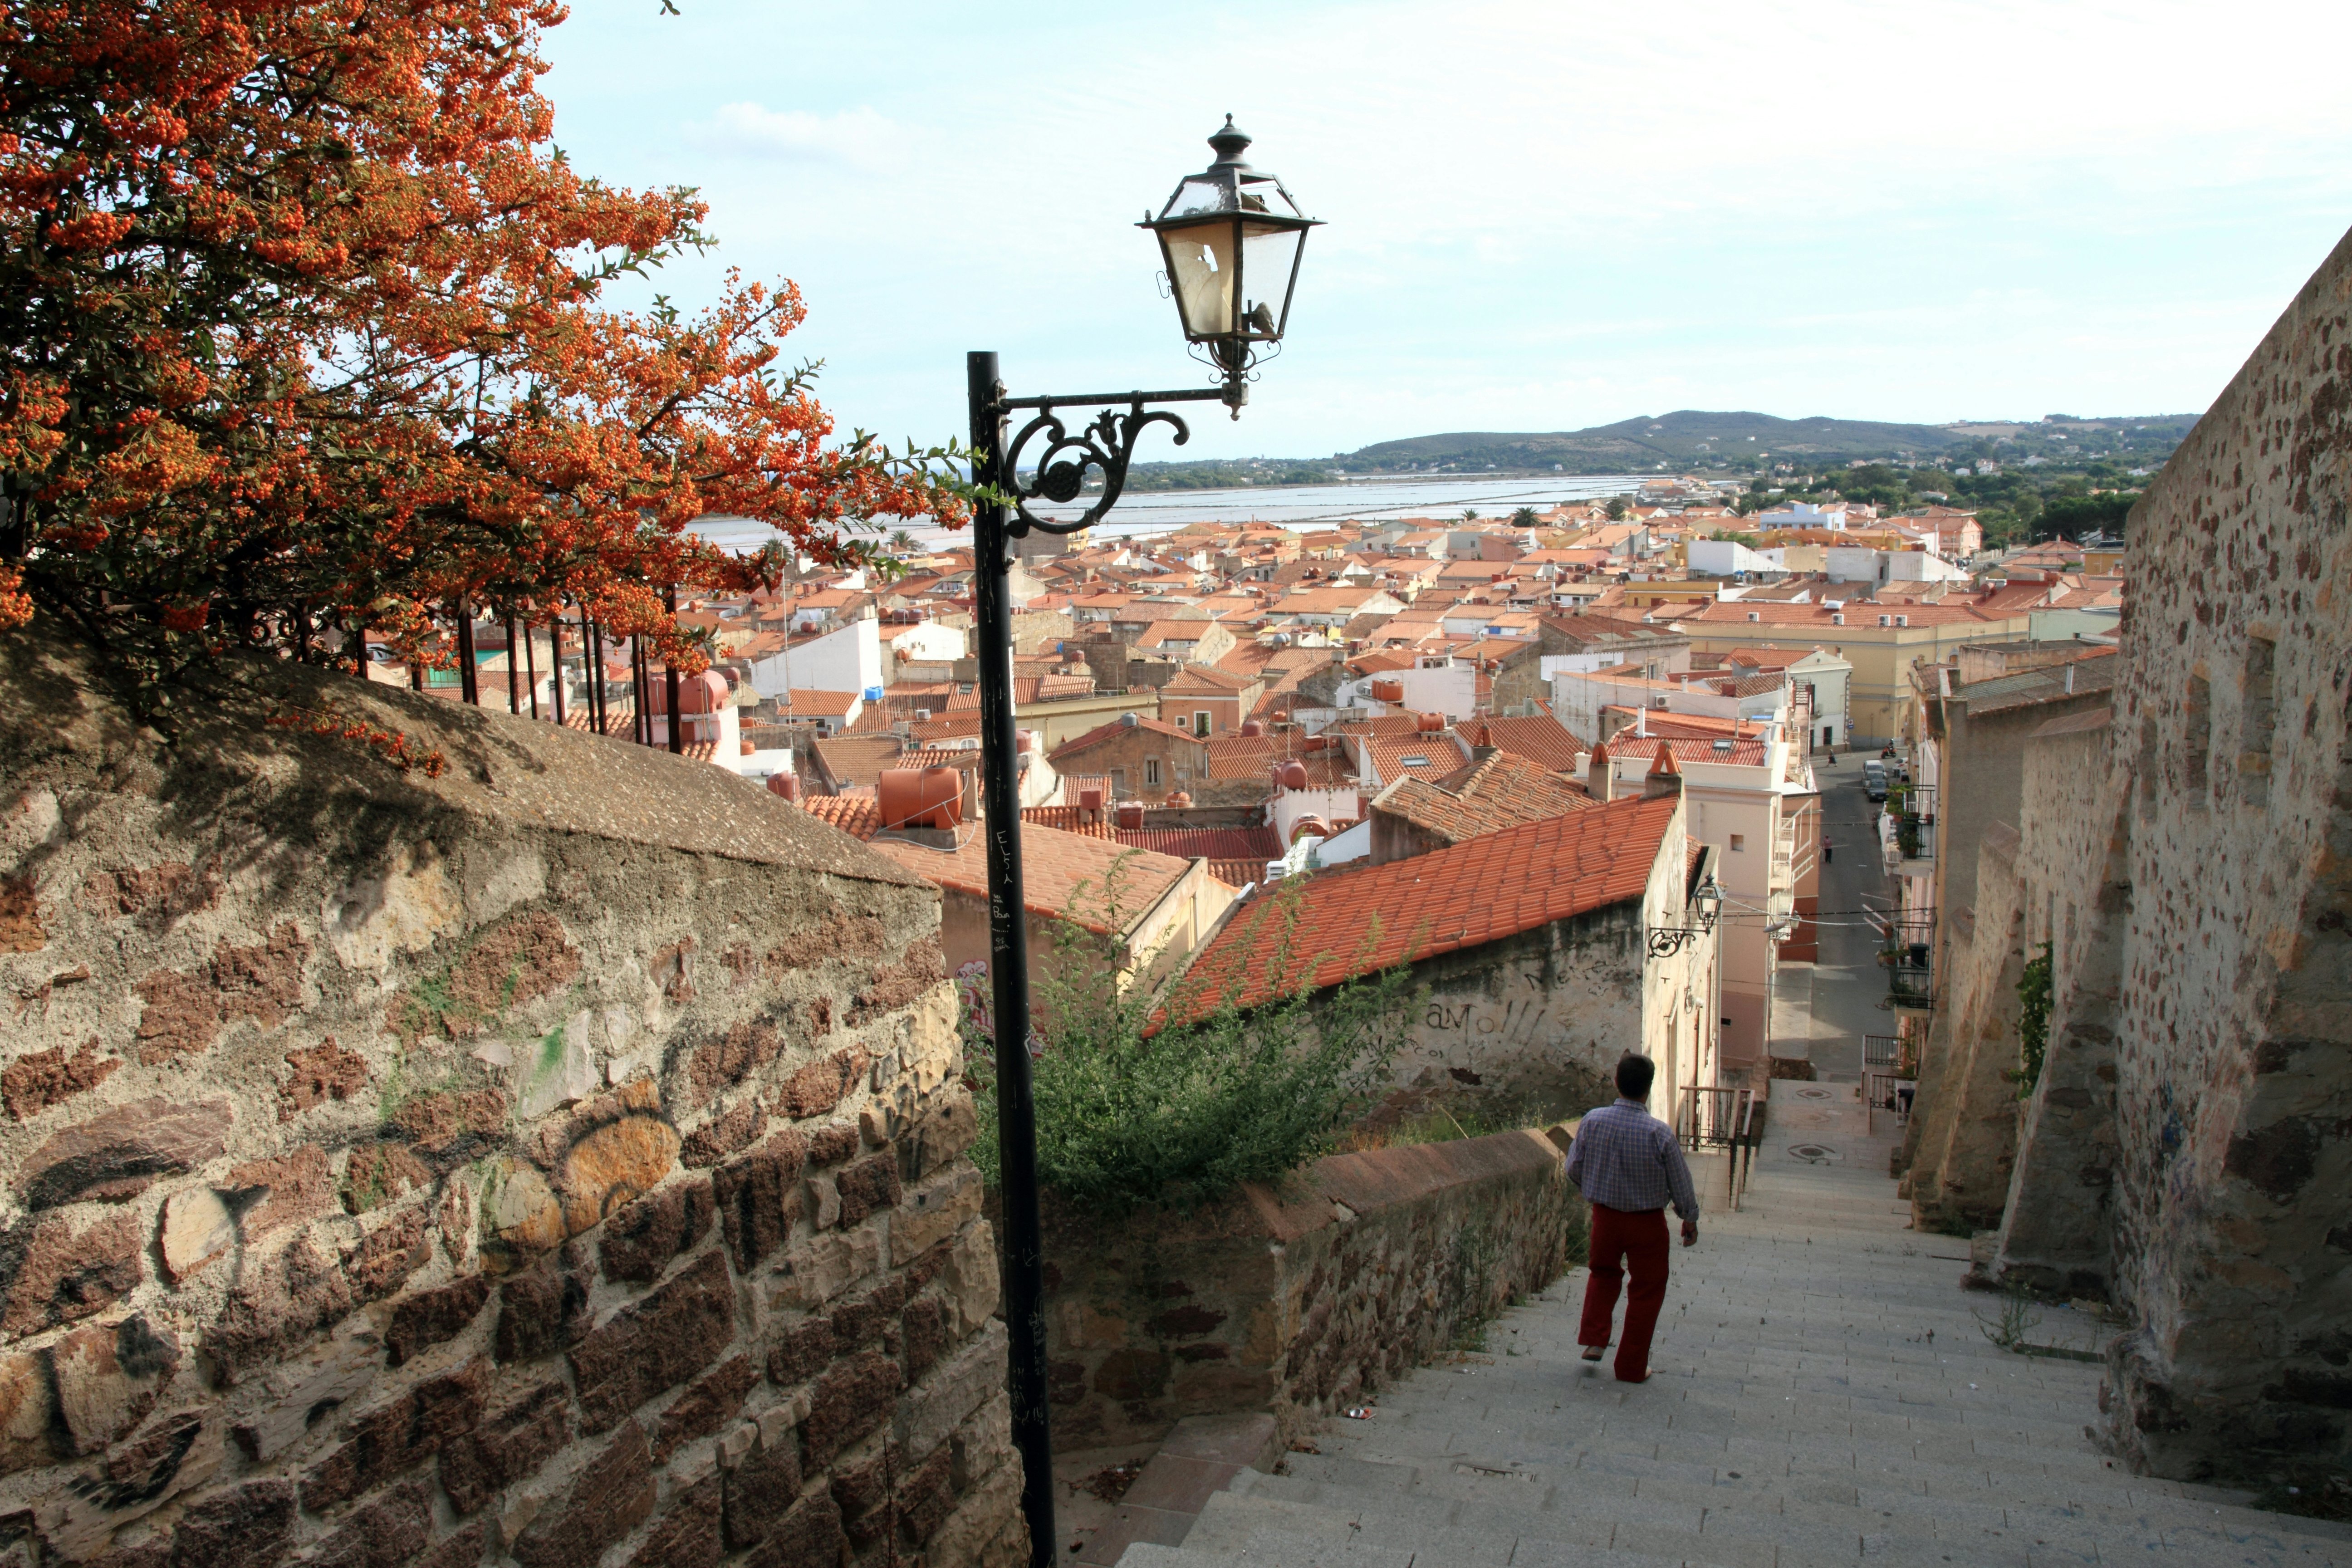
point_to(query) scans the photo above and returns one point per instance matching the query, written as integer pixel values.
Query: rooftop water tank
(920, 797)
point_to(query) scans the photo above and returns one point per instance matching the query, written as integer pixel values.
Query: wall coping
(1376, 1179)
(56, 707)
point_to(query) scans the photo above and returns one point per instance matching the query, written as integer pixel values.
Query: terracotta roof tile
(1065, 874)
(1539, 737)
(1354, 921)
(1501, 791)
(1072, 819)
(1102, 733)
(1430, 755)
(1210, 843)
(857, 813)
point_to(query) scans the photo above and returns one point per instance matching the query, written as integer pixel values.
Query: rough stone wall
(558, 1160)
(1529, 1027)
(2234, 1018)
(1294, 1300)
(1962, 1144)
(2056, 1226)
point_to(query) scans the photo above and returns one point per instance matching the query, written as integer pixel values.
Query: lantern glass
(1269, 263)
(1202, 269)
(1231, 236)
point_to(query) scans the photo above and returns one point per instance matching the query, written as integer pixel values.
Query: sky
(1537, 216)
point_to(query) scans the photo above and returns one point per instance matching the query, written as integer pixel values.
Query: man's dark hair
(1634, 1076)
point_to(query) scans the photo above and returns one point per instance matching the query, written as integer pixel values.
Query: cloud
(858, 138)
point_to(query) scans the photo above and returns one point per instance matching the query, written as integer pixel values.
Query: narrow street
(1824, 1391)
(1821, 1011)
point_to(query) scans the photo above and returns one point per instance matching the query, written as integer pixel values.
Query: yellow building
(1883, 642)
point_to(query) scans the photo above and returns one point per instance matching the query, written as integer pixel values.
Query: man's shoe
(1594, 1353)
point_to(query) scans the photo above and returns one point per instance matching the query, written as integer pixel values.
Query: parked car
(1873, 779)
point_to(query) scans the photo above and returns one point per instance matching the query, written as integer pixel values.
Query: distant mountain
(1695, 438)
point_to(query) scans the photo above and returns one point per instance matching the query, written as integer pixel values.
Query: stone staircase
(1821, 1393)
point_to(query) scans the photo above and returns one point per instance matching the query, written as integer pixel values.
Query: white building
(1849, 565)
(847, 659)
(1804, 514)
(1728, 557)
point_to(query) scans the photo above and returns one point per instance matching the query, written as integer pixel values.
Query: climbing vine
(2033, 994)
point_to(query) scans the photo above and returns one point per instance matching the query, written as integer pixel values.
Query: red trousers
(1625, 1243)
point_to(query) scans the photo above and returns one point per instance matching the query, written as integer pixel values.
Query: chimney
(2070, 681)
(1665, 776)
(1598, 780)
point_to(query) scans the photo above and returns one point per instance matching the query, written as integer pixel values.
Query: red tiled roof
(1210, 843)
(1193, 676)
(1393, 757)
(857, 759)
(1502, 791)
(947, 726)
(1102, 733)
(1239, 873)
(1253, 757)
(857, 813)
(1065, 874)
(1072, 819)
(1539, 737)
(1353, 921)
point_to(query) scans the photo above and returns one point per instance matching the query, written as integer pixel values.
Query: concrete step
(1822, 1392)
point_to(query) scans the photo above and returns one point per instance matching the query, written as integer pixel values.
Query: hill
(1695, 438)
(1700, 440)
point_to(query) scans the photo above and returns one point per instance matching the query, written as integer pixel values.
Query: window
(1738, 842)
(1151, 770)
(1119, 784)
(1201, 723)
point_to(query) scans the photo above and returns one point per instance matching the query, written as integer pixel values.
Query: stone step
(1481, 1519)
(1824, 1391)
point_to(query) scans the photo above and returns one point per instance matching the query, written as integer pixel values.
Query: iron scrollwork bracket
(1106, 443)
(1667, 940)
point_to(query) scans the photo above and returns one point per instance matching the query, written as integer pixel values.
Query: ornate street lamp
(1667, 940)
(1231, 238)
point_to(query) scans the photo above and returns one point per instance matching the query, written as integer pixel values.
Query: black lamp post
(1667, 940)
(1231, 238)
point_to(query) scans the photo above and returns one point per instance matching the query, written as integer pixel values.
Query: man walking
(1628, 1165)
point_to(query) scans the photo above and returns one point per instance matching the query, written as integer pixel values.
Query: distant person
(1628, 1165)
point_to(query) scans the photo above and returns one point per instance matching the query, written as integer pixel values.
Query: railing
(1883, 1088)
(1722, 1118)
(1880, 1050)
(1911, 985)
(1915, 824)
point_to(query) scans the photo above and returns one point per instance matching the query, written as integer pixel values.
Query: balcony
(1911, 987)
(1906, 954)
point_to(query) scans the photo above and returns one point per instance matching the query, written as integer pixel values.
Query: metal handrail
(1881, 1050)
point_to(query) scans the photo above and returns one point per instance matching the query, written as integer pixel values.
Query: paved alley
(1822, 1393)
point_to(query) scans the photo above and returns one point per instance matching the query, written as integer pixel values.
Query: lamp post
(1231, 238)
(1667, 940)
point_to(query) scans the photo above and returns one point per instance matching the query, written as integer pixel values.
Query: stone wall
(2223, 835)
(1958, 1149)
(1297, 1300)
(2058, 1239)
(438, 1139)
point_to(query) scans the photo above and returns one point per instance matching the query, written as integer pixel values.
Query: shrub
(2033, 993)
(1132, 1108)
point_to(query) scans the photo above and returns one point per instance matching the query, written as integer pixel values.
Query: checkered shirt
(1628, 1159)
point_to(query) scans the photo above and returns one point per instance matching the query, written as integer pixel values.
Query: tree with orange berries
(305, 333)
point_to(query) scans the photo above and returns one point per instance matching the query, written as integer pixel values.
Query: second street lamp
(1231, 238)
